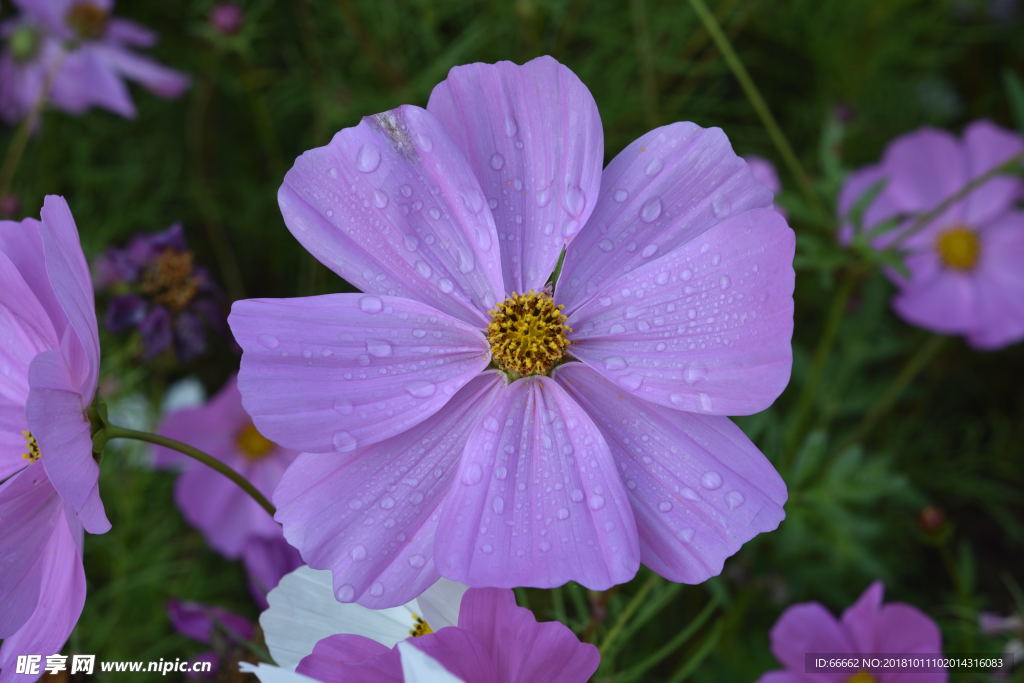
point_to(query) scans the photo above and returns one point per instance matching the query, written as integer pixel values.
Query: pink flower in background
(764, 172)
(477, 635)
(227, 18)
(227, 633)
(49, 349)
(227, 516)
(84, 52)
(965, 266)
(552, 435)
(866, 628)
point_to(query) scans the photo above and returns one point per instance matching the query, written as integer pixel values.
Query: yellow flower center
(171, 279)
(862, 677)
(33, 453)
(527, 334)
(253, 445)
(88, 20)
(959, 248)
(419, 626)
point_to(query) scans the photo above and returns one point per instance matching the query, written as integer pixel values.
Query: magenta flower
(477, 635)
(49, 349)
(85, 52)
(553, 436)
(224, 513)
(964, 266)
(227, 633)
(227, 18)
(866, 628)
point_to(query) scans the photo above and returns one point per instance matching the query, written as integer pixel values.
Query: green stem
(114, 432)
(627, 613)
(928, 216)
(757, 101)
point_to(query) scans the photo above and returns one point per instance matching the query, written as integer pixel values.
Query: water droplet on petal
(563, 513)
(380, 199)
(595, 502)
(346, 593)
(544, 197)
(268, 340)
(359, 552)
(605, 245)
(423, 269)
(695, 372)
(574, 200)
(614, 363)
(421, 388)
(621, 195)
(685, 535)
(720, 205)
(387, 502)
(497, 161)
(406, 191)
(576, 496)
(711, 480)
(378, 348)
(434, 212)
(445, 285)
(490, 424)
(498, 505)
(734, 499)
(487, 548)
(371, 304)
(649, 251)
(705, 402)
(724, 282)
(344, 442)
(665, 506)
(368, 159)
(651, 210)
(376, 589)
(417, 561)
(472, 475)
(654, 167)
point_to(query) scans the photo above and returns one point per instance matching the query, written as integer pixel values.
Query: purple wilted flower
(227, 17)
(475, 635)
(211, 502)
(866, 628)
(964, 266)
(84, 52)
(226, 632)
(553, 434)
(50, 488)
(157, 288)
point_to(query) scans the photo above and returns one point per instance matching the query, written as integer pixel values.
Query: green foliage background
(889, 419)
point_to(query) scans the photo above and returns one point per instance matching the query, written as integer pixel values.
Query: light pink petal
(393, 207)
(860, 620)
(336, 372)
(532, 135)
(56, 418)
(72, 285)
(662, 191)
(129, 33)
(371, 516)
(85, 80)
(809, 628)
(987, 146)
(879, 210)
(537, 501)
(29, 511)
(347, 658)
(157, 78)
(706, 328)
(942, 300)
(698, 487)
(22, 243)
(12, 441)
(924, 168)
(1000, 283)
(61, 597)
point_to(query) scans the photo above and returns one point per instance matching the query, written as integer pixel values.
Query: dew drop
(734, 499)
(665, 506)
(371, 304)
(387, 502)
(711, 480)
(605, 245)
(724, 282)
(376, 589)
(420, 388)
(346, 593)
(359, 552)
(406, 191)
(648, 252)
(614, 363)
(380, 199)
(497, 161)
(378, 348)
(661, 278)
(445, 285)
(368, 159)
(621, 195)
(472, 475)
(490, 424)
(576, 496)
(511, 128)
(574, 200)
(651, 210)
(720, 205)
(417, 561)
(543, 197)
(268, 340)
(434, 212)
(544, 546)
(685, 535)
(705, 402)
(344, 442)
(563, 513)
(654, 167)
(498, 505)
(423, 269)
(595, 502)
(695, 372)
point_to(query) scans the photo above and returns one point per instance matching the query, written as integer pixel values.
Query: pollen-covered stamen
(171, 280)
(528, 334)
(420, 627)
(88, 20)
(252, 444)
(32, 454)
(959, 248)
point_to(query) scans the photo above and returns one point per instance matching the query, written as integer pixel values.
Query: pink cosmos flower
(85, 53)
(477, 635)
(965, 266)
(211, 502)
(49, 350)
(462, 419)
(227, 633)
(866, 628)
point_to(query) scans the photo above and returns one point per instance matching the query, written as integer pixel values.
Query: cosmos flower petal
(877, 211)
(662, 191)
(538, 500)
(303, 612)
(266, 560)
(85, 80)
(394, 208)
(29, 509)
(61, 593)
(807, 627)
(440, 603)
(347, 658)
(419, 667)
(532, 135)
(370, 515)
(22, 243)
(12, 441)
(1000, 284)
(157, 78)
(72, 286)
(698, 487)
(57, 420)
(268, 673)
(706, 328)
(520, 647)
(947, 302)
(924, 168)
(986, 146)
(343, 371)
(127, 32)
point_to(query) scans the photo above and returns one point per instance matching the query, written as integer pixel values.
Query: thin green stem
(927, 217)
(642, 39)
(21, 137)
(624, 616)
(757, 102)
(672, 645)
(114, 432)
(694, 661)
